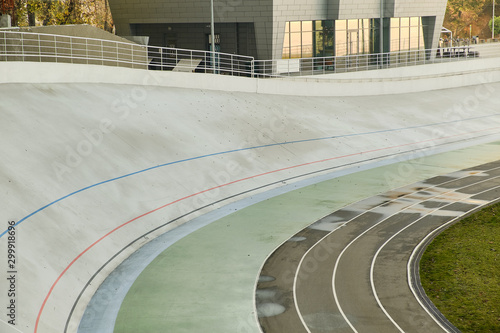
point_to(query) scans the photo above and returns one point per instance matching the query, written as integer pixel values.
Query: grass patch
(460, 272)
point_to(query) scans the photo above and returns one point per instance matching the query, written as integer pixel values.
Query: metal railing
(26, 46)
(181, 60)
(364, 62)
(34, 47)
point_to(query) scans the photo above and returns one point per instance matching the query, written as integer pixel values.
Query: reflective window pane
(341, 25)
(307, 26)
(352, 24)
(295, 26)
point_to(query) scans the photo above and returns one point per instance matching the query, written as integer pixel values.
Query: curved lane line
(314, 246)
(360, 235)
(238, 150)
(224, 185)
(417, 251)
(372, 267)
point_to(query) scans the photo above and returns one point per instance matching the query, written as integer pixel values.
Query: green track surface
(460, 272)
(205, 282)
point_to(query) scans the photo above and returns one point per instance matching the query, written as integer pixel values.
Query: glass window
(356, 36)
(352, 24)
(340, 42)
(395, 39)
(307, 44)
(295, 26)
(295, 45)
(307, 26)
(414, 38)
(404, 41)
(286, 52)
(394, 36)
(341, 25)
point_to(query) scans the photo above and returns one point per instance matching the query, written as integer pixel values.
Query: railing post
(161, 58)
(5, 45)
(39, 48)
(87, 50)
(55, 47)
(102, 53)
(132, 51)
(22, 46)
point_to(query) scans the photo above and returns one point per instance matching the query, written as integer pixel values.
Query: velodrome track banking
(91, 171)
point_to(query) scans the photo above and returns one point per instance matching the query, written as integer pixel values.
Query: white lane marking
(343, 251)
(419, 247)
(319, 241)
(372, 268)
(403, 189)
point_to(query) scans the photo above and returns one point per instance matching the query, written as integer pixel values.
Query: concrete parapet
(5, 21)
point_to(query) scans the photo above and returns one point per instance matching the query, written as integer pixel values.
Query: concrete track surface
(354, 270)
(90, 172)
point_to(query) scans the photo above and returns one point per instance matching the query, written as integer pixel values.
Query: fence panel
(26, 46)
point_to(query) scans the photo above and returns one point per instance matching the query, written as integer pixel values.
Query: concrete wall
(378, 82)
(5, 21)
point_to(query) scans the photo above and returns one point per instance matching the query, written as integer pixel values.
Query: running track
(356, 270)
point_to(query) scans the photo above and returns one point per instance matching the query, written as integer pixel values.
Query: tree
(57, 12)
(497, 25)
(460, 14)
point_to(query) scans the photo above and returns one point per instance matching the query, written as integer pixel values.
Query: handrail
(41, 47)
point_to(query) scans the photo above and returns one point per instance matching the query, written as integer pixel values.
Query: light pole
(212, 33)
(493, 22)
(381, 26)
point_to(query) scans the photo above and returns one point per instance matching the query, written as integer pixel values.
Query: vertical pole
(493, 22)
(39, 49)
(382, 29)
(212, 33)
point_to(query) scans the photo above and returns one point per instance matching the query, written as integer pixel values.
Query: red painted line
(224, 185)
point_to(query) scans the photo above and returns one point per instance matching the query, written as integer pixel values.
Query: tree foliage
(58, 12)
(497, 25)
(460, 14)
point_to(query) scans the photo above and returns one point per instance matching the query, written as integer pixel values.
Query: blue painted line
(240, 150)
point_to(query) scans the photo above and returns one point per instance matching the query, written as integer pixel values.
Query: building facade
(276, 29)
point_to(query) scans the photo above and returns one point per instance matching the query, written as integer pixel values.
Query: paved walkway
(207, 279)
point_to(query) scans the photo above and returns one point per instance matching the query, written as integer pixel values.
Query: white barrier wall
(377, 82)
(96, 161)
